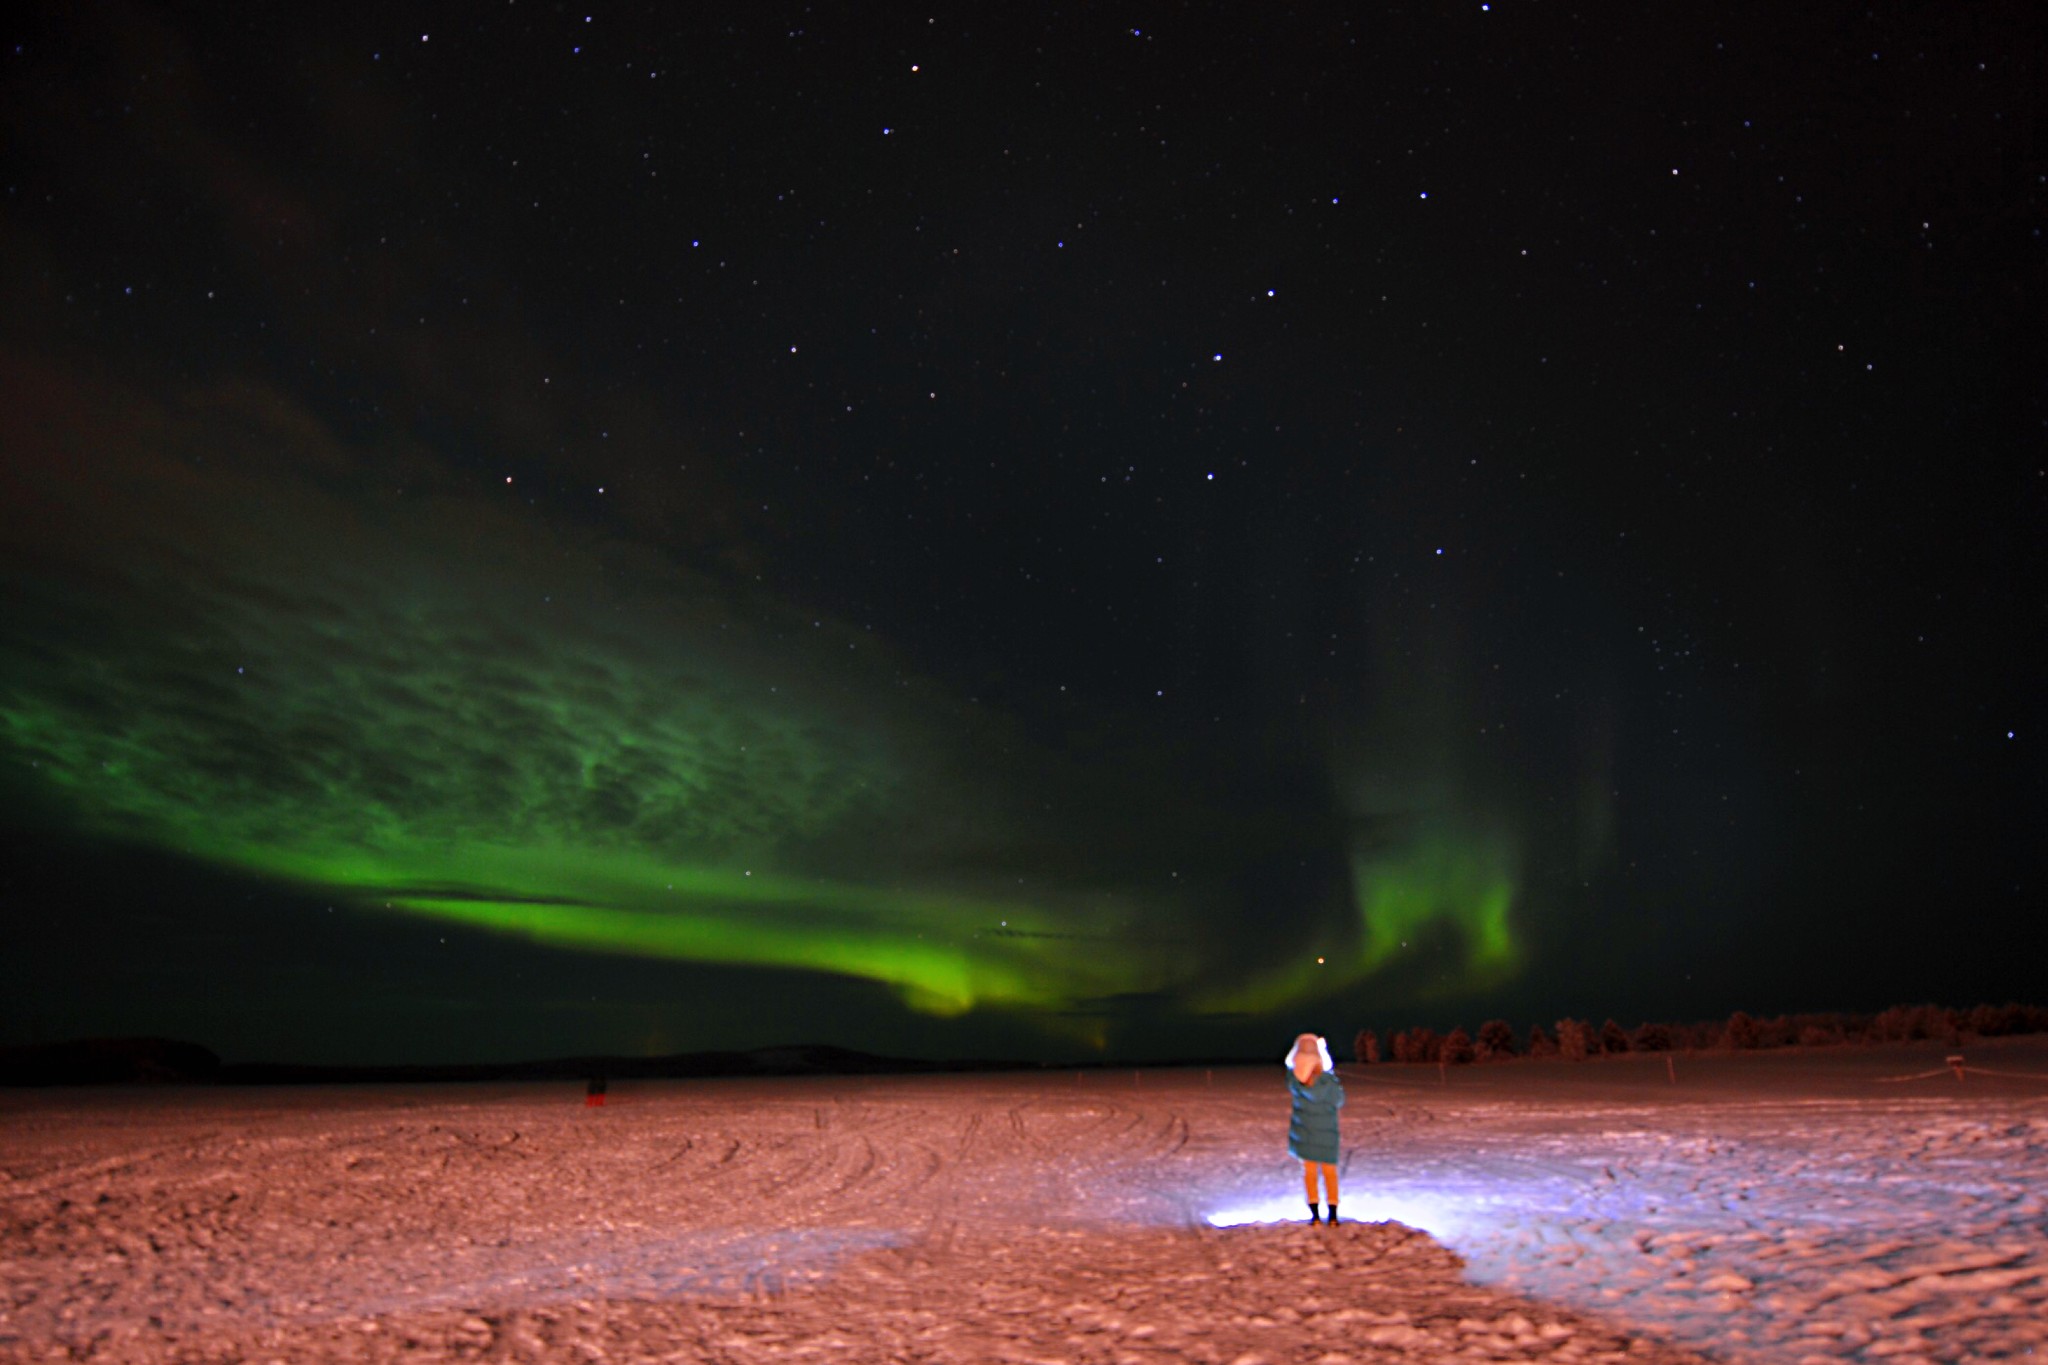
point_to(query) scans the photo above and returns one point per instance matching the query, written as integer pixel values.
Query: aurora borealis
(386, 701)
(624, 531)
(424, 725)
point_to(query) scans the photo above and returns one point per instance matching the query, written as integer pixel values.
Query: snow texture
(1788, 1208)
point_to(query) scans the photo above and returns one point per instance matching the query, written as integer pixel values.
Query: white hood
(1322, 1051)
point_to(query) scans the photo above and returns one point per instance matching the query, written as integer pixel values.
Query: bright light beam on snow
(1434, 1216)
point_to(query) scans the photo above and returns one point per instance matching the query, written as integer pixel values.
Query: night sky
(1013, 531)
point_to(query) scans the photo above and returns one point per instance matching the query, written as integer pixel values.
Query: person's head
(1308, 1056)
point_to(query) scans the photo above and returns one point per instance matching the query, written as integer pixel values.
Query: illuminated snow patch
(1417, 1210)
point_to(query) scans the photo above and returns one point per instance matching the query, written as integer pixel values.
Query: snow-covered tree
(1574, 1039)
(1418, 1044)
(1652, 1038)
(1741, 1034)
(1496, 1040)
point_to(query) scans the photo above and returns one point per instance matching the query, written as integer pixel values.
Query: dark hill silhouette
(109, 1061)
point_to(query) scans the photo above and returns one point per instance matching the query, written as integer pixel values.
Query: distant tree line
(1576, 1039)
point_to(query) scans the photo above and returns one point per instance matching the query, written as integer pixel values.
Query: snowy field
(1778, 1207)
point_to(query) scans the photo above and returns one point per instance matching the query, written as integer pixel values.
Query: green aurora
(443, 706)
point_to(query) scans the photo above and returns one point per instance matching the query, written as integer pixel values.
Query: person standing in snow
(1312, 1131)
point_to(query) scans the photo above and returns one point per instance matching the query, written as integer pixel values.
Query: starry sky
(1014, 531)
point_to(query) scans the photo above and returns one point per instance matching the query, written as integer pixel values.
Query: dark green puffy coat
(1312, 1132)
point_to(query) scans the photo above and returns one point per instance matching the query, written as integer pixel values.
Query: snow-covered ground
(1781, 1207)
(1794, 1207)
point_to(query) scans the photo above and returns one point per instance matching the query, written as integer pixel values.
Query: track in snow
(1761, 1217)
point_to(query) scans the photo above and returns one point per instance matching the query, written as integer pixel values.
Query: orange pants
(1308, 1179)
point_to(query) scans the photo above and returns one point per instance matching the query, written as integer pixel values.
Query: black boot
(1333, 1213)
(1313, 1215)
